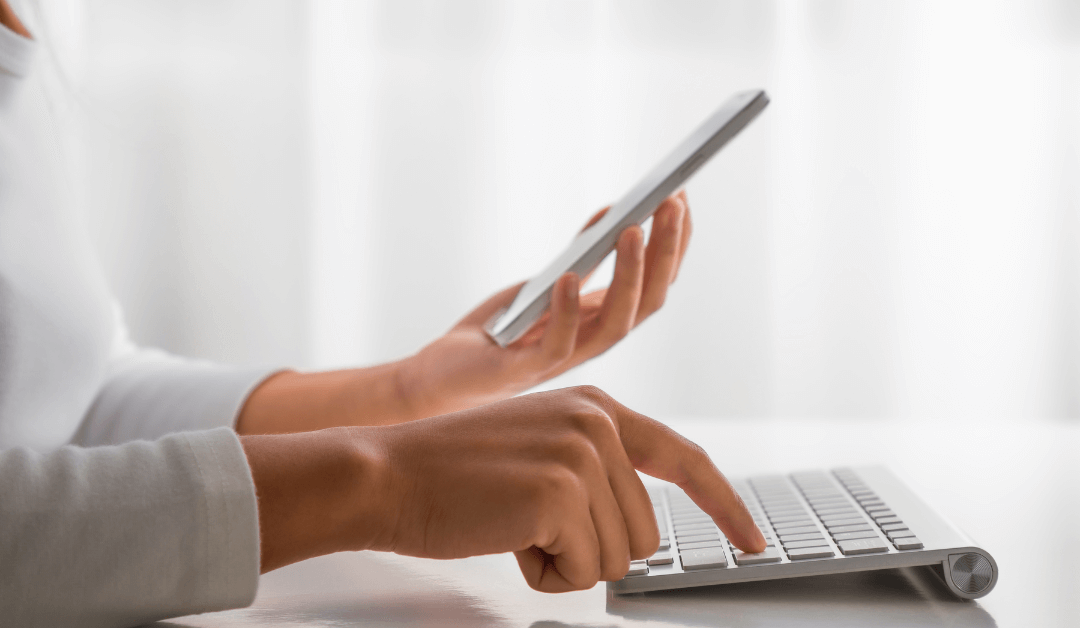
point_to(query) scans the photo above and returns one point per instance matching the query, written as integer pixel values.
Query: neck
(10, 20)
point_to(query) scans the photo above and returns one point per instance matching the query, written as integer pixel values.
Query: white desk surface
(1014, 487)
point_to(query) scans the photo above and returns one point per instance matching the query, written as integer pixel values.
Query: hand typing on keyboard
(549, 476)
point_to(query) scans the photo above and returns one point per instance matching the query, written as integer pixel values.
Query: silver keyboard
(814, 522)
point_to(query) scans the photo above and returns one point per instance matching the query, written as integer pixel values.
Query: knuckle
(694, 459)
(558, 482)
(591, 392)
(576, 455)
(553, 488)
(696, 453)
(645, 545)
(590, 580)
(590, 421)
(616, 569)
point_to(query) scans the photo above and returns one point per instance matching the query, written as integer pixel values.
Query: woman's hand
(550, 477)
(466, 368)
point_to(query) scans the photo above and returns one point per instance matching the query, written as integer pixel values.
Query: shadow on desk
(890, 597)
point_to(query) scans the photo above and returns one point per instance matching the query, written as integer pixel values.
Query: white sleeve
(127, 534)
(149, 393)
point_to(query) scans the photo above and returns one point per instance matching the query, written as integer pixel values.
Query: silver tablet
(590, 247)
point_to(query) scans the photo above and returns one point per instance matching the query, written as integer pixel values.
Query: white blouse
(125, 496)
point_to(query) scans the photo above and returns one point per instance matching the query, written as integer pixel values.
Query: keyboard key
(688, 509)
(783, 494)
(839, 516)
(711, 558)
(793, 524)
(898, 534)
(894, 526)
(787, 528)
(805, 553)
(789, 518)
(687, 519)
(696, 521)
(836, 523)
(833, 505)
(660, 558)
(880, 511)
(801, 544)
(799, 530)
(862, 546)
(785, 510)
(700, 544)
(788, 512)
(908, 543)
(698, 537)
(774, 500)
(832, 512)
(638, 568)
(770, 555)
(886, 520)
(853, 528)
(786, 538)
(776, 504)
(664, 544)
(868, 504)
(688, 527)
(847, 536)
(781, 506)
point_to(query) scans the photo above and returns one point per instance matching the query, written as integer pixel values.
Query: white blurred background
(336, 182)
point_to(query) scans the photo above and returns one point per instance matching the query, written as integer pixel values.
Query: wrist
(373, 513)
(318, 493)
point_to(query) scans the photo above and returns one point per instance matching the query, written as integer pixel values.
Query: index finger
(657, 450)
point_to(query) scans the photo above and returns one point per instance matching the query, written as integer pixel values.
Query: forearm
(318, 493)
(292, 402)
(129, 534)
